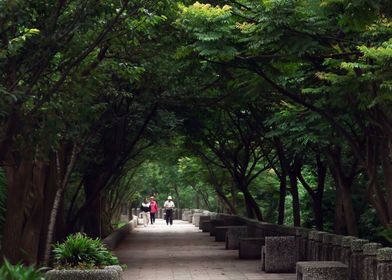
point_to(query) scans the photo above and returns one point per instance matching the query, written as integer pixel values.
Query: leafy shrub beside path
(82, 252)
(19, 272)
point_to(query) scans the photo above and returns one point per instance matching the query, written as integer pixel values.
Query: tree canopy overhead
(280, 110)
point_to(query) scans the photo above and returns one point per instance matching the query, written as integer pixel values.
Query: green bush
(119, 224)
(19, 272)
(81, 252)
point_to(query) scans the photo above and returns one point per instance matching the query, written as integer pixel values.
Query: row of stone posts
(365, 261)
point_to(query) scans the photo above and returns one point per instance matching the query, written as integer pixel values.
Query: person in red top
(154, 209)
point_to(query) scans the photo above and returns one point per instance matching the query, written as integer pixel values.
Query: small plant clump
(79, 251)
(19, 272)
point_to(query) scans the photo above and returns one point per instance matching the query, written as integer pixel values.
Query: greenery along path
(183, 252)
(279, 110)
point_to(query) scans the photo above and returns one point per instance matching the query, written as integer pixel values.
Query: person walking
(145, 208)
(154, 209)
(169, 206)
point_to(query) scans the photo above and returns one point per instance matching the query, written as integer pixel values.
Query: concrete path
(183, 252)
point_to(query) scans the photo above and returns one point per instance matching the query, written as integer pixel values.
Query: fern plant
(81, 252)
(19, 272)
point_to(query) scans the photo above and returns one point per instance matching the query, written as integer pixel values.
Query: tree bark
(282, 199)
(295, 196)
(62, 183)
(339, 221)
(18, 178)
(24, 210)
(252, 208)
(343, 187)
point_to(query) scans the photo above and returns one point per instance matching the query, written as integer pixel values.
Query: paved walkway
(183, 252)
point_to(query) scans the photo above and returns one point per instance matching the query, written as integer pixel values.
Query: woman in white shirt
(145, 210)
(169, 206)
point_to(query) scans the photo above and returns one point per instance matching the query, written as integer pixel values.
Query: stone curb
(108, 273)
(113, 239)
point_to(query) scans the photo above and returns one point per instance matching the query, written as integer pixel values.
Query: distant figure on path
(154, 209)
(169, 206)
(145, 208)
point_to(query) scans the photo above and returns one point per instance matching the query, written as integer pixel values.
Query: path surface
(183, 252)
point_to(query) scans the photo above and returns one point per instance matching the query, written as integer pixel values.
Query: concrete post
(202, 219)
(318, 245)
(302, 235)
(337, 248)
(311, 245)
(384, 266)
(346, 249)
(326, 252)
(233, 236)
(370, 260)
(356, 270)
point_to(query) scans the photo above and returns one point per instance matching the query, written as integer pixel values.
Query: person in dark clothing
(169, 206)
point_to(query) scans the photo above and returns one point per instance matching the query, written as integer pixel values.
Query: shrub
(81, 252)
(19, 272)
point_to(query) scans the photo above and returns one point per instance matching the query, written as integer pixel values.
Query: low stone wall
(108, 273)
(112, 240)
(365, 261)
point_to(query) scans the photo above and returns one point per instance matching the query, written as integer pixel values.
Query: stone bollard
(326, 251)
(220, 233)
(202, 219)
(196, 219)
(346, 249)
(321, 271)
(337, 248)
(190, 218)
(356, 259)
(302, 242)
(250, 247)
(185, 215)
(370, 260)
(205, 226)
(278, 254)
(311, 245)
(214, 224)
(318, 245)
(233, 236)
(384, 266)
(179, 214)
(260, 230)
(252, 228)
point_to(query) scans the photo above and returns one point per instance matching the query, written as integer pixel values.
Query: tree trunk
(295, 196)
(282, 199)
(24, 210)
(234, 198)
(318, 212)
(253, 209)
(349, 213)
(63, 175)
(18, 178)
(225, 200)
(343, 187)
(91, 219)
(34, 222)
(339, 221)
(197, 201)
